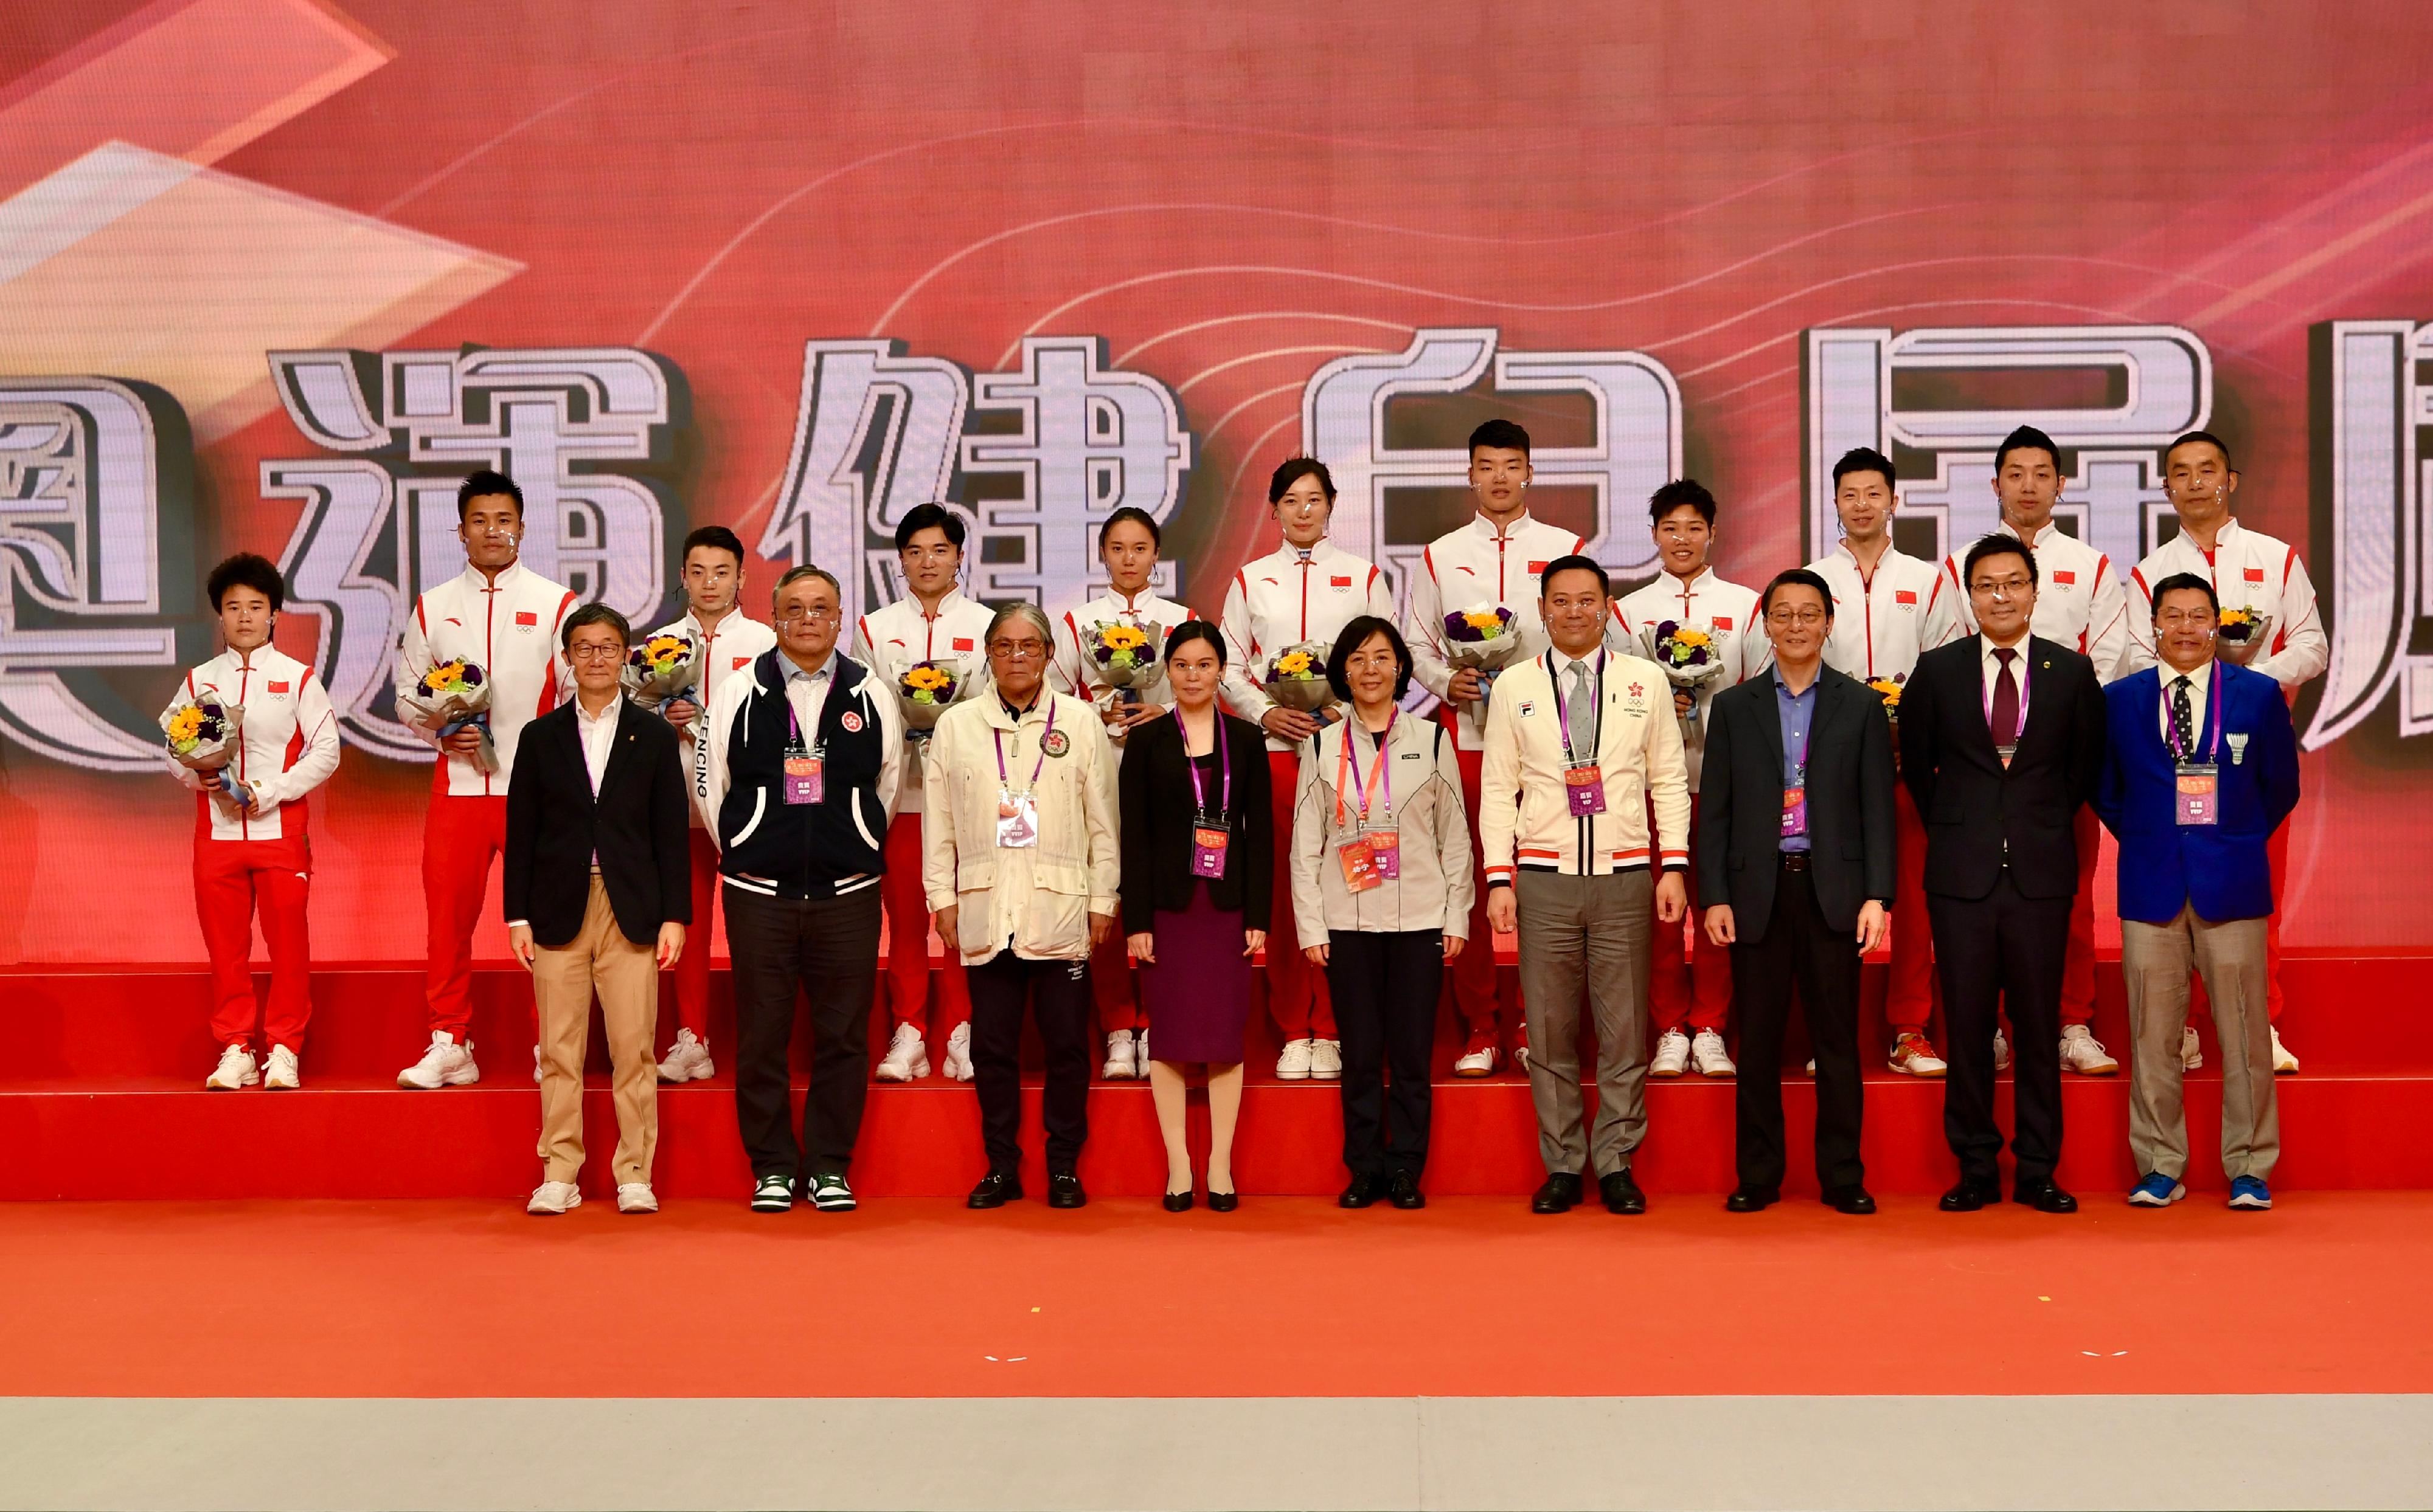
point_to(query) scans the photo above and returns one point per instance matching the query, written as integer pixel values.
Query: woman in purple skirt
(1197, 876)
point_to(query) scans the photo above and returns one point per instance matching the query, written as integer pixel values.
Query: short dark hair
(2194, 439)
(1501, 434)
(1797, 577)
(245, 571)
(1678, 492)
(2186, 583)
(718, 538)
(1353, 635)
(1573, 563)
(1995, 544)
(1292, 471)
(2026, 438)
(930, 517)
(594, 614)
(795, 575)
(482, 484)
(1864, 459)
(1139, 516)
(1189, 631)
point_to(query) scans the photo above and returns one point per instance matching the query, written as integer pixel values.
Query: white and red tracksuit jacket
(1072, 670)
(890, 642)
(2247, 569)
(1475, 566)
(508, 627)
(1282, 598)
(2080, 601)
(729, 648)
(1726, 611)
(286, 746)
(1886, 620)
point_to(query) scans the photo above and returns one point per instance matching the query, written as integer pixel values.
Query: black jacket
(1977, 815)
(636, 825)
(1849, 802)
(819, 850)
(1156, 813)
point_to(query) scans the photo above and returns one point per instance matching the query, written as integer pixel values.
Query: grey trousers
(1586, 934)
(2154, 960)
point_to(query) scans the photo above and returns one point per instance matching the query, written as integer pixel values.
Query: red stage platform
(112, 1105)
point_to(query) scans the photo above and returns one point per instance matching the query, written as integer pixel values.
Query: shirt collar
(1319, 551)
(1697, 584)
(1005, 716)
(947, 606)
(1784, 688)
(826, 672)
(508, 576)
(2200, 678)
(1485, 529)
(606, 715)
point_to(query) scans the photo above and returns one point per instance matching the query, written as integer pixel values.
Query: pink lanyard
(1564, 714)
(1380, 773)
(1038, 767)
(2213, 715)
(1225, 759)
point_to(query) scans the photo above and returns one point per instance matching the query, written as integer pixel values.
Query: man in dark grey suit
(1799, 801)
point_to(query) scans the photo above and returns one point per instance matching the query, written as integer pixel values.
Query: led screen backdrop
(274, 273)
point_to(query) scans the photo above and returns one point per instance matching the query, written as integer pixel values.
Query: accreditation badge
(1359, 864)
(1017, 820)
(1795, 811)
(1385, 853)
(806, 779)
(2199, 788)
(1208, 841)
(1584, 787)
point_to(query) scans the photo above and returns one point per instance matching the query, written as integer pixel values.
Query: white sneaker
(1914, 1055)
(1326, 1060)
(236, 1069)
(906, 1059)
(959, 1055)
(551, 1198)
(636, 1196)
(1121, 1064)
(447, 1063)
(1293, 1065)
(2192, 1051)
(688, 1060)
(2283, 1063)
(2001, 1051)
(2081, 1052)
(1478, 1062)
(279, 1072)
(1811, 1068)
(1140, 1055)
(1672, 1055)
(1707, 1054)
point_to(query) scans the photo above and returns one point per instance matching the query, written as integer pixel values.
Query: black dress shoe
(2044, 1197)
(996, 1190)
(1622, 1194)
(1181, 1201)
(1556, 1194)
(1403, 1190)
(1064, 1190)
(1853, 1199)
(1970, 1195)
(1361, 1193)
(1223, 1201)
(1746, 1198)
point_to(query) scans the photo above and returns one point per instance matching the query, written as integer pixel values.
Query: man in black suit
(598, 891)
(1798, 804)
(2001, 742)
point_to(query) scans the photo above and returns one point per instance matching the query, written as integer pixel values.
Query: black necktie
(2183, 727)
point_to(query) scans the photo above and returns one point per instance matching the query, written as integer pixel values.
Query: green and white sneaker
(829, 1193)
(773, 1194)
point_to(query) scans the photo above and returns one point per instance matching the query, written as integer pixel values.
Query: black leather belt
(1795, 860)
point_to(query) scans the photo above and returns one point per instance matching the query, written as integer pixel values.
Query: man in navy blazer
(2200, 767)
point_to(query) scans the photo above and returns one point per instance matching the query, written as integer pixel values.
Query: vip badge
(852, 722)
(1055, 742)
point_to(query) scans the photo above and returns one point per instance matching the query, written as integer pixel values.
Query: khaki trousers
(2155, 960)
(1586, 936)
(627, 978)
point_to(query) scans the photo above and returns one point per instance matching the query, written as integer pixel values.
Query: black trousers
(829, 948)
(1797, 947)
(1384, 988)
(1059, 993)
(1995, 952)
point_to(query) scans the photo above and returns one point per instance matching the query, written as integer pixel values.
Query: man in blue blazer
(2201, 768)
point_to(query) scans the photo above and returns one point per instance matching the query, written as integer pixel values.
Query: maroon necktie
(2005, 716)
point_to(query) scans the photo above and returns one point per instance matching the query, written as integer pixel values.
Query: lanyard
(2213, 717)
(1037, 766)
(2019, 677)
(1563, 710)
(1380, 776)
(1224, 758)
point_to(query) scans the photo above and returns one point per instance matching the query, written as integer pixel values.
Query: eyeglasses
(795, 613)
(595, 653)
(1805, 619)
(2184, 618)
(1018, 649)
(2010, 587)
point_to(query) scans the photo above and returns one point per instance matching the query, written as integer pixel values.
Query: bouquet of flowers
(2240, 634)
(453, 697)
(1125, 656)
(1483, 638)
(1297, 677)
(203, 730)
(1690, 660)
(925, 690)
(662, 669)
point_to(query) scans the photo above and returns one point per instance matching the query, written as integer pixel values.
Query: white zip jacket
(1727, 611)
(1434, 889)
(1284, 599)
(1524, 819)
(730, 647)
(1072, 670)
(1035, 899)
(891, 640)
(508, 628)
(1885, 621)
(287, 746)
(2080, 601)
(1473, 566)
(2247, 569)
(709, 758)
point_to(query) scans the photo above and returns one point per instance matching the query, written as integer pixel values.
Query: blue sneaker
(2156, 1191)
(2251, 1192)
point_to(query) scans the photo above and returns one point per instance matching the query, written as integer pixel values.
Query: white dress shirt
(2200, 686)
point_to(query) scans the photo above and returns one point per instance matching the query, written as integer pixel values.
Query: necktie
(2005, 714)
(2183, 727)
(1582, 713)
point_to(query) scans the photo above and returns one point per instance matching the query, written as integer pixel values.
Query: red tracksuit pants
(1681, 996)
(692, 967)
(907, 944)
(459, 838)
(234, 878)
(1477, 986)
(1297, 996)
